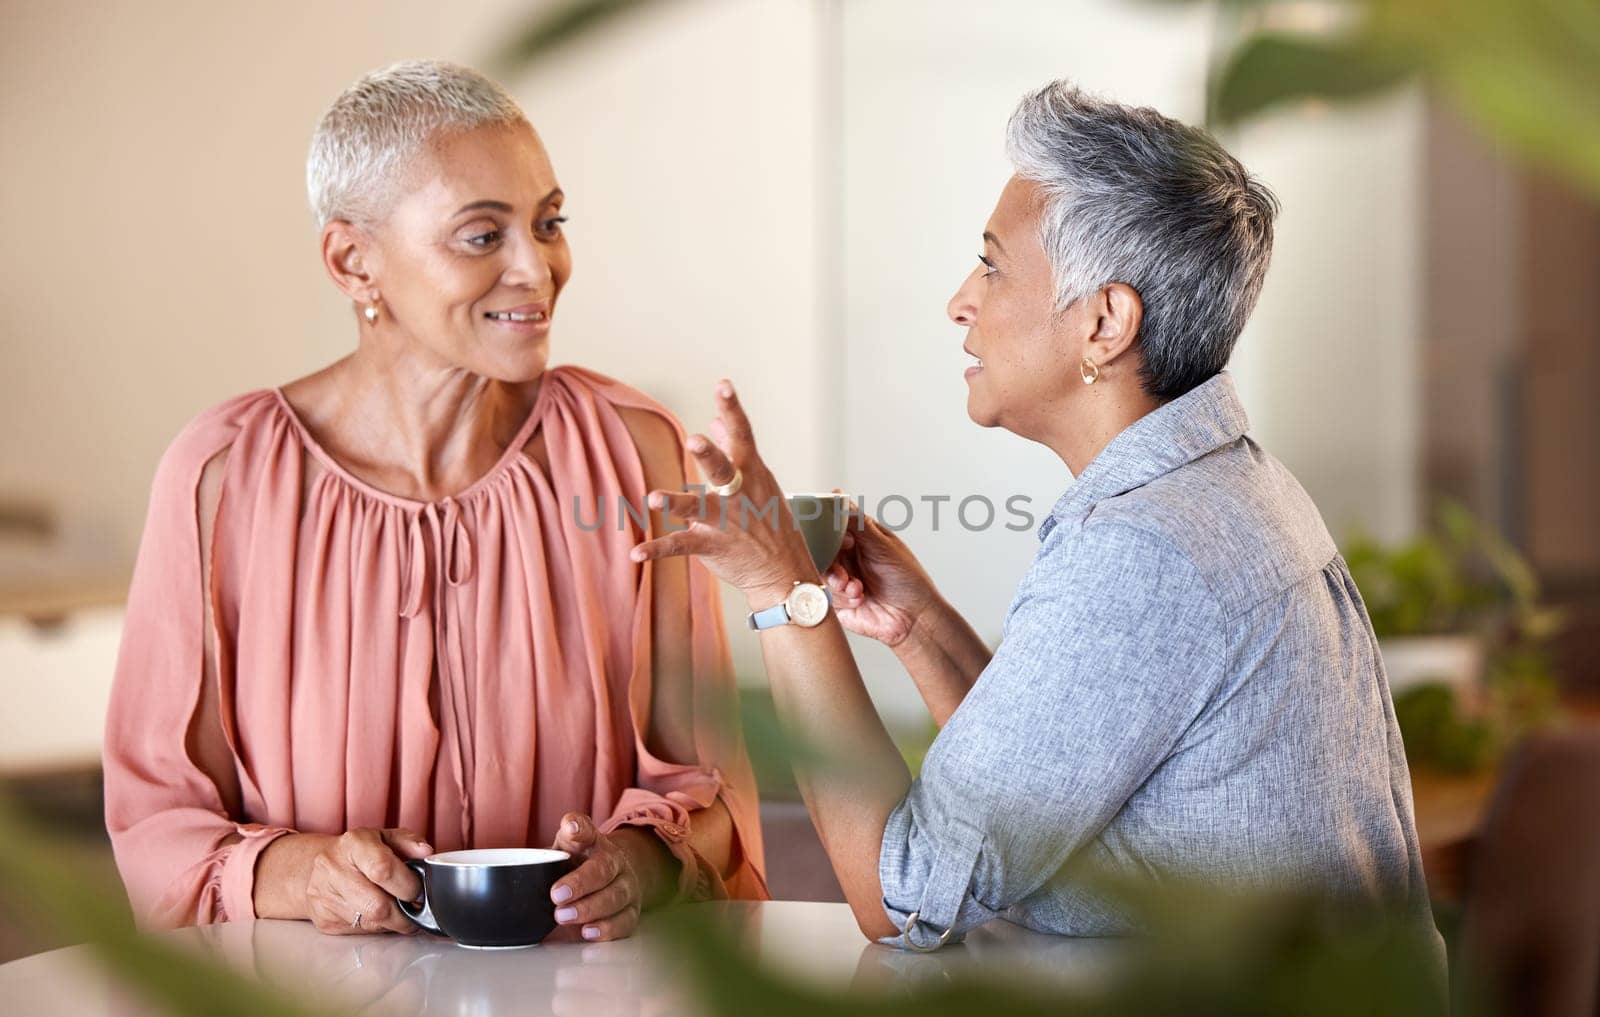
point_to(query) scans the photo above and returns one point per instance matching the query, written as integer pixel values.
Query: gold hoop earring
(371, 313)
(1089, 370)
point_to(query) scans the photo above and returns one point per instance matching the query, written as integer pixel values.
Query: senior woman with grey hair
(368, 618)
(1187, 684)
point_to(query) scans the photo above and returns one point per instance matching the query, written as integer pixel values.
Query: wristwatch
(806, 605)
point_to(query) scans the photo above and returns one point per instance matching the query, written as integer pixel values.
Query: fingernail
(566, 914)
(636, 555)
(561, 895)
(572, 827)
(725, 389)
(591, 932)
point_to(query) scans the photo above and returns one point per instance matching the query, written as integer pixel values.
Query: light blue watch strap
(778, 614)
(772, 617)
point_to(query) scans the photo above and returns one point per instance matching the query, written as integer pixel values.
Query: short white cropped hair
(383, 120)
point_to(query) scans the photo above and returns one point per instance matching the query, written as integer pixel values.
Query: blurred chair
(1531, 926)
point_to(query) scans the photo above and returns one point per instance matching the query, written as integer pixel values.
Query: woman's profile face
(1007, 305)
(472, 255)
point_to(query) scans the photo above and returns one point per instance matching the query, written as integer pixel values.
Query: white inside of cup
(498, 856)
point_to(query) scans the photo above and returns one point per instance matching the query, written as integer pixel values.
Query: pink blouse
(470, 668)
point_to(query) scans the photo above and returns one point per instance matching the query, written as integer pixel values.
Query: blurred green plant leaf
(49, 892)
(1270, 70)
(559, 26)
(1435, 730)
(1526, 72)
(774, 753)
(1457, 576)
(1207, 951)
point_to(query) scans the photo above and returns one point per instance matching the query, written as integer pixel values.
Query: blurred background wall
(785, 192)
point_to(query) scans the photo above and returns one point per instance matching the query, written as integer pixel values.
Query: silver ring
(731, 488)
(357, 923)
(911, 923)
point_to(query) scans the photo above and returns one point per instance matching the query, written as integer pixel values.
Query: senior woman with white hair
(369, 618)
(1188, 683)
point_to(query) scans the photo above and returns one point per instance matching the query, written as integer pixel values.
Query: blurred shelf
(49, 599)
(1449, 807)
(1450, 810)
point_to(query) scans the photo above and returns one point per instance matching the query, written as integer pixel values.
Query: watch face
(808, 605)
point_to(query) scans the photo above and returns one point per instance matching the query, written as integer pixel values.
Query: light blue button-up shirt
(1187, 685)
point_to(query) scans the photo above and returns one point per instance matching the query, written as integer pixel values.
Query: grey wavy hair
(379, 123)
(1135, 197)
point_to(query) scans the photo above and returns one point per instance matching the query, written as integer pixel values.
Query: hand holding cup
(361, 873)
(879, 587)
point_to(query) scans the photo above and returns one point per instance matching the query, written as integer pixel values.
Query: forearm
(944, 656)
(850, 774)
(282, 872)
(711, 835)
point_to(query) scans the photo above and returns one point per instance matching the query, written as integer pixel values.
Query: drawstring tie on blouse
(452, 561)
(453, 553)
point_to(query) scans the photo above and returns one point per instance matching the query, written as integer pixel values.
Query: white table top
(417, 975)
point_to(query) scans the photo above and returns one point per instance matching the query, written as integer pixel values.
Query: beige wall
(1331, 362)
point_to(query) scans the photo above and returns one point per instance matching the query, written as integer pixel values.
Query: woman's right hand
(361, 873)
(879, 588)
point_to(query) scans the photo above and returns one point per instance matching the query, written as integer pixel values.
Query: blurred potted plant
(1432, 598)
(1462, 634)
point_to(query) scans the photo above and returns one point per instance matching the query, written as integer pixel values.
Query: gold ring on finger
(731, 488)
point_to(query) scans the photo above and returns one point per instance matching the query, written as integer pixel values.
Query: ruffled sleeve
(183, 860)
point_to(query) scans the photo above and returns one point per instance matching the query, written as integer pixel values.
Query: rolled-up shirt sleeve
(1110, 651)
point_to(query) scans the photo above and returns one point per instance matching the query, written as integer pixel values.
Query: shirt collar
(1198, 422)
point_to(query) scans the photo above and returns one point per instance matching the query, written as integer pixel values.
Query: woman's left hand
(748, 539)
(603, 894)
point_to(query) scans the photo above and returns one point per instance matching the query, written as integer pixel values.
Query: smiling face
(1029, 352)
(471, 258)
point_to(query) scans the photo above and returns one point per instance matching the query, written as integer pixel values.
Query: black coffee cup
(489, 899)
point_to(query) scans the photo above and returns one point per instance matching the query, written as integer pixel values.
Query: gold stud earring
(371, 312)
(1089, 370)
